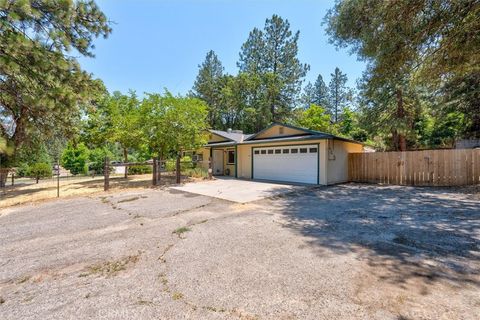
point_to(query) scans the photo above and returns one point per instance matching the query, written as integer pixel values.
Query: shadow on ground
(423, 233)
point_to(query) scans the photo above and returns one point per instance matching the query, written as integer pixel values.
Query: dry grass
(181, 230)
(177, 296)
(111, 268)
(26, 191)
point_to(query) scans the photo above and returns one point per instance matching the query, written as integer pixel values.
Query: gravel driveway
(343, 252)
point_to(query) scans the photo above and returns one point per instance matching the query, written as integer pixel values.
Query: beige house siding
(206, 156)
(275, 132)
(333, 154)
(337, 160)
(244, 158)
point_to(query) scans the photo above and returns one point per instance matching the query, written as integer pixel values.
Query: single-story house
(281, 153)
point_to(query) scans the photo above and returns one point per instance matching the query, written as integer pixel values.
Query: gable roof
(306, 131)
(240, 138)
(232, 136)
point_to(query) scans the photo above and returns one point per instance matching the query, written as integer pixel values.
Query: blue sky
(158, 44)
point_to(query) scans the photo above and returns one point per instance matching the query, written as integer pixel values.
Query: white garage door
(287, 163)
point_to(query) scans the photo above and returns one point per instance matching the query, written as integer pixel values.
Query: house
(281, 153)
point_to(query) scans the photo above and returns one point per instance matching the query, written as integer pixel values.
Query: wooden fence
(453, 167)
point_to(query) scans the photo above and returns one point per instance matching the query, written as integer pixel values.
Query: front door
(217, 162)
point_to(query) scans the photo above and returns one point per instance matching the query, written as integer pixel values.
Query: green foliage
(440, 38)
(316, 94)
(173, 123)
(272, 55)
(196, 172)
(140, 169)
(208, 86)
(446, 129)
(96, 159)
(40, 170)
(42, 85)
(23, 170)
(359, 134)
(267, 86)
(75, 158)
(462, 94)
(346, 126)
(185, 164)
(115, 119)
(315, 118)
(338, 93)
(424, 65)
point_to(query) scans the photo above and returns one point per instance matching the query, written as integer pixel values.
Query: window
(303, 150)
(197, 157)
(256, 152)
(286, 150)
(263, 151)
(231, 157)
(313, 150)
(277, 151)
(280, 130)
(270, 151)
(294, 150)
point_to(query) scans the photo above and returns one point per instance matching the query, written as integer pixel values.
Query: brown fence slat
(422, 168)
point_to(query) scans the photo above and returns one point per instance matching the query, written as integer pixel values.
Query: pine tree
(272, 54)
(316, 94)
(338, 93)
(434, 43)
(207, 86)
(42, 84)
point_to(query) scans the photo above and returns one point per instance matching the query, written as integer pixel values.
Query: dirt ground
(26, 190)
(343, 252)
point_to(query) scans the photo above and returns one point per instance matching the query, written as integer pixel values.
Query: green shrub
(23, 170)
(143, 169)
(40, 170)
(75, 158)
(185, 164)
(96, 159)
(196, 172)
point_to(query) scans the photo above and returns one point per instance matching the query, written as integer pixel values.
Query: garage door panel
(269, 164)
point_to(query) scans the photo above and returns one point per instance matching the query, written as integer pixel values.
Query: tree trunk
(159, 167)
(154, 171)
(37, 178)
(399, 139)
(177, 168)
(336, 104)
(125, 159)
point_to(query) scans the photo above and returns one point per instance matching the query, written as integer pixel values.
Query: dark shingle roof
(233, 136)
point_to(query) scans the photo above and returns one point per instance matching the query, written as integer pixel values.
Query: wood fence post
(106, 174)
(154, 172)
(210, 168)
(13, 178)
(58, 179)
(159, 170)
(177, 168)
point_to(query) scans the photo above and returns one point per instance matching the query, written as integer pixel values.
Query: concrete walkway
(236, 190)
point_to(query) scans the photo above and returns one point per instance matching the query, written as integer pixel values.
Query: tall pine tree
(338, 93)
(317, 93)
(208, 87)
(272, 55)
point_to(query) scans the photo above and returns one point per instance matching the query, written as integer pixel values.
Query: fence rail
(450, 167)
